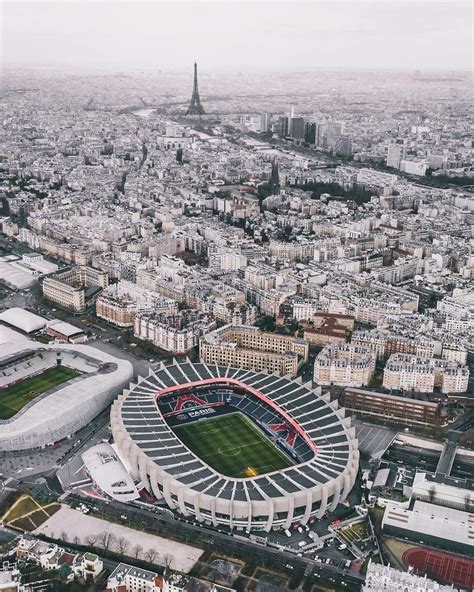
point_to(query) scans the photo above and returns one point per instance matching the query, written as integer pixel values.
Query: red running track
(443, 567)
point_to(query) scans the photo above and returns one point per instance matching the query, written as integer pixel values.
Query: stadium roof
(62, 410)
(8, 335)
(108, 472)
(14, 276)
(23, 319)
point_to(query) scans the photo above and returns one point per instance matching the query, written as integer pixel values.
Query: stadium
(233, 447)
(48, 392)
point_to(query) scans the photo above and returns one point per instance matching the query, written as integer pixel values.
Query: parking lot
(373, 440)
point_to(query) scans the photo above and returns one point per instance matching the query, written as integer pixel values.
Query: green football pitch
(232, 445)
(14, 397)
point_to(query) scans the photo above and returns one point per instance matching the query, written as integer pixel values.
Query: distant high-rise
(195, 107)
(343, 146)
(310, 133)
(296, 128)
(334, 131)
(321, 135)
(283, 126)
(264, 122)
(275, 178)
(396, 153)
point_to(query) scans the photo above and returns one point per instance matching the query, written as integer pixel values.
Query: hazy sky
(237, 34)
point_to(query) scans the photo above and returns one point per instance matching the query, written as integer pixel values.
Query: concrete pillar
(271, 513)
(324, 501)
(291, 510)
(142, 465)
(309, 503)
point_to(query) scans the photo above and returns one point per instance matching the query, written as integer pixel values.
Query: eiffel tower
(195, 107)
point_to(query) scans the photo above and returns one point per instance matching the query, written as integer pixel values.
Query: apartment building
(344, 364)
(127, 578)
(118, 311)
(400, 409)
(52, 557)
(76, 288)
(410, 372)
(304, 310)
(401, 270)
(383, 577)
(225, 259)
(123, 301)
(247, 347)
(177, 333)
(297, 251)
(458, 307)
(370, 310)
(454, 352)
(384, 345)
(233, 313)
(373, 178)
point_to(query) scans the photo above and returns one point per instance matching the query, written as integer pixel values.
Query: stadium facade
(63, 410)
(311, 430)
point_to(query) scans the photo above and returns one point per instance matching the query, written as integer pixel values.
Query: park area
(233, 446)
(28, 514)
(356, 532)
(13, 398)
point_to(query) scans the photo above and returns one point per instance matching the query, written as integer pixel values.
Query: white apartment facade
(344, 364)
(409, 372)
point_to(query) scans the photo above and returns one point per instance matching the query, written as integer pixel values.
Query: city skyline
(162, 35)
(236, 308)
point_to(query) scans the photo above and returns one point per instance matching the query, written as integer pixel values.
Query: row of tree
(109, 542)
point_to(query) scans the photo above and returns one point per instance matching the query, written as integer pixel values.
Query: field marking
(207, 455)
(261, 439)
(267, 441)
(231, 450)
(7, 406)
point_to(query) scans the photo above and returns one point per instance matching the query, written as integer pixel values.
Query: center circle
(229, 450)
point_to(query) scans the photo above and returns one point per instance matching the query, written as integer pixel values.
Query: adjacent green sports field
(14, 397)
(232, 445)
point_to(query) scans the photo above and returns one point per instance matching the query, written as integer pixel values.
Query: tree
(76, 540)
(263, 191)
(168, 560)
(64, 536)
(266, 323)
(137, 551)
(150, 555)
(106, 539)
(358, 194)
(91, 540)
(64, 572)
(122, 545)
